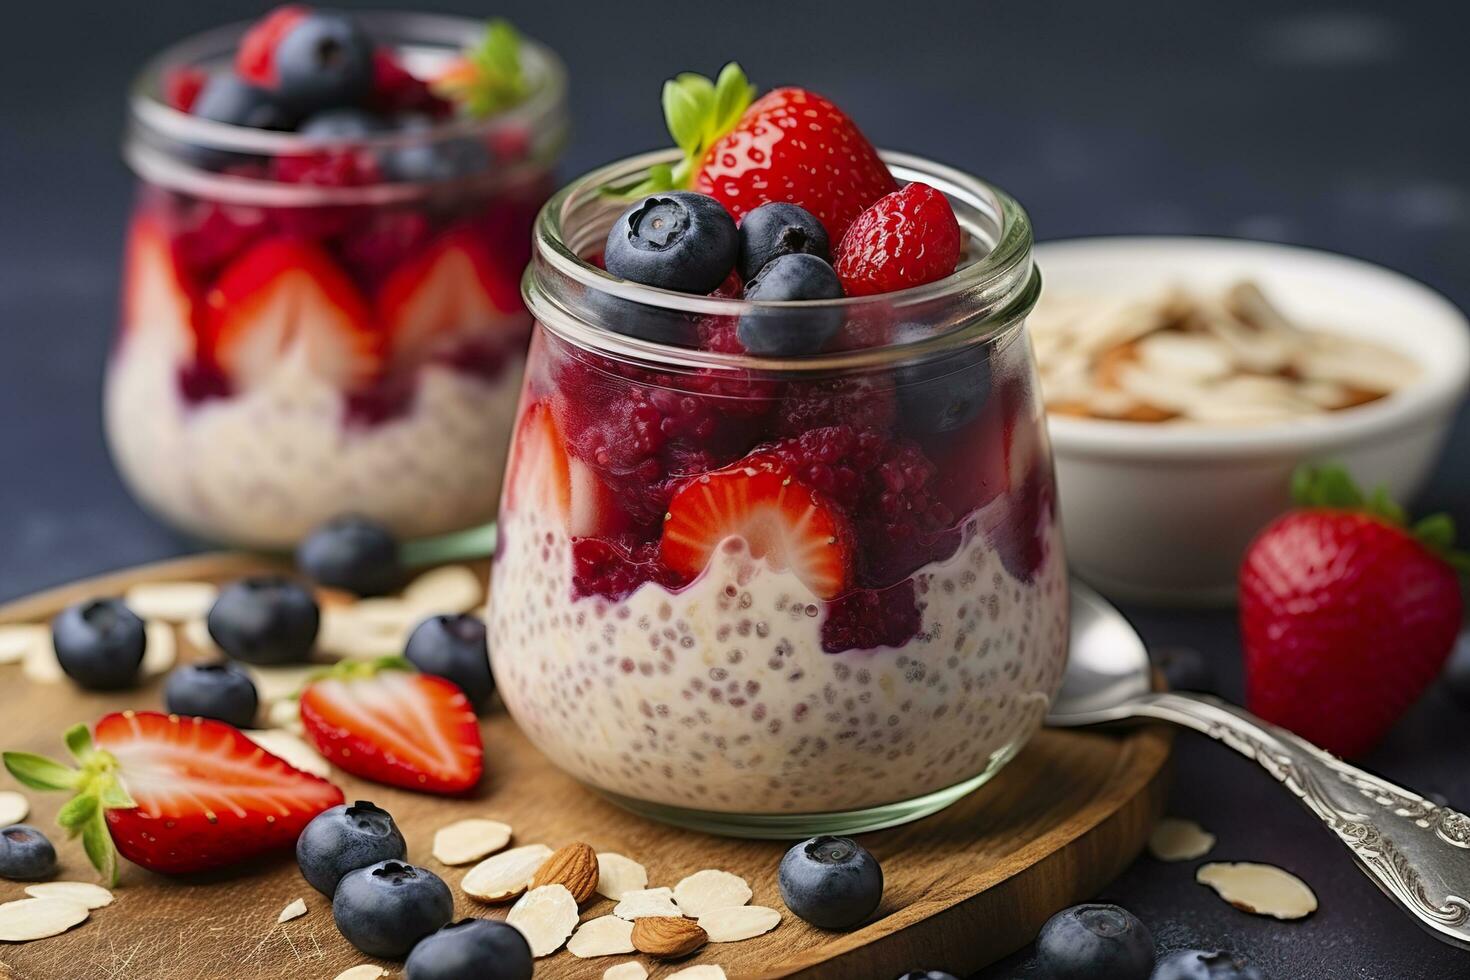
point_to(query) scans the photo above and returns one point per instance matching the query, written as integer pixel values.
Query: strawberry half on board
(175, 795)
(1347, 612)
(383, 722)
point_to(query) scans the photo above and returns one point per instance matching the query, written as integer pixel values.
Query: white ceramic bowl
(1163, 513)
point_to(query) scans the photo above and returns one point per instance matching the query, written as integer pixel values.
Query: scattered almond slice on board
(40, 663)
(160, 650)
(196, 634)
(731, 925)
(286, 681)
(295, 910)
(626, 971)
(606, 935)
(364, 971)
(18, 639)
(450, 589)
(172, 602)
(39, 918)
(13, 808)
(1179, 840)
(505, 875)
(646, 901)
(286, 714)
(1260, 889)
(705, 971)
(470, 840)
(617, 875)
(83, 893)
(708, 890)
(546, 916)
(292, 748)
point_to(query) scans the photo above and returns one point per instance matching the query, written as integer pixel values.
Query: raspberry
(207, 234)
(382, 241)
(396, 90)
(328, 168)
(908, 238)
(860, 402)
(605, 569)
(868, 618)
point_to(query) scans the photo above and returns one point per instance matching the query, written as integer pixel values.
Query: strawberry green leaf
(1436, 532)
(689, 105)
(489, 78)
(97, 841)
(77, 811)
(733, 95)
(39, 772)
(1325, 486)
(78, 739)
(114, 797)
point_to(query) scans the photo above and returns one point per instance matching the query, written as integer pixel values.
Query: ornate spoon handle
(1416, 851)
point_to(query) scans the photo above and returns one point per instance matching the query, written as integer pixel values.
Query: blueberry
(1185, 668)
(471, 949)
(633, 319)
(1085, 942)
(385, 908)
(943, 393)
(216, 690)
(682, 241)
(1194, 964)
(928, 975)
(352, 553)
(345, 838)
(99, 644)
(265, 620)
(226, 98)
(344, 124)
(454, 647)
(325, 60)
(784, 332)
(777, 229)
(433, 157)
(1457, 670)
(831, 882)
(25, 854)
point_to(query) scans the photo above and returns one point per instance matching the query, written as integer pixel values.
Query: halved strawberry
(382, 722)
(286, 298)
(157, 299)
(175, 795)
(453, 290)
(539, 475)
(759, 500)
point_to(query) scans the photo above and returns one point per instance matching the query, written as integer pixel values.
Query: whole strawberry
(1347, 614)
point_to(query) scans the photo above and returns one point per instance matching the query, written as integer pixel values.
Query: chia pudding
(321, 302)
(737, 590)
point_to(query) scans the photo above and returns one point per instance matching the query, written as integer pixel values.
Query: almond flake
(365, 971)
(293, 911)
(646, 901)
(160, 650)
(196, 635)
(274, 683)
(172, 602)
(84, 893)
(618, 875)
(505, 875)
(286, 714)
(632, 970)
(39, 918)
(450, 589)
(13, 808)
(380, 631)
(469, 840)
(705, 971)
(606, 935)
(40, 663)
(18, 639)
(1261, 889)
(708, 890)
(1179, 840)
(546, 916)
(291, 749)
(743, 922)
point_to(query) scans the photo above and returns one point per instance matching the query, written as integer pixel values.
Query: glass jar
(313, 326)
(778, 597)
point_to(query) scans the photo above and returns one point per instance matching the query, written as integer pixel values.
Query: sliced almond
(380, 631)
(668, 937)
(646, 901)
(172, 602)
(632, 970)
(160, 649)
(295, 910)
(290, 748)
(743, 922)
(364, 971)
(606, 935)
(13, 808)
(39, 918)
(196, 635)
(286, 681)
(286, 714)
(1261, 889)
(18, 639)
(617, 875)
(40, 664)
(450, 589)
(84, 893)
(469, 840)
(505, 875)
(1179, 840)
(708, 890)
(704, 971)
(574, 866)
(546, 916)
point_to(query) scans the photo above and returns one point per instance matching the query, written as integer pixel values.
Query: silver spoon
(1416, 851)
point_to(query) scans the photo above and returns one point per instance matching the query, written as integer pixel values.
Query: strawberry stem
(1330, 486)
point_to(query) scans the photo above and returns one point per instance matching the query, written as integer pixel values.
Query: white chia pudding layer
(719, 696)
(266, 465)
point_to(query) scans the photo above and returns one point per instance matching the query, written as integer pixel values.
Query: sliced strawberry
(780, 520)
(176, 795)
(255, 59)
(453, 291)
(286, 298)
(539, 475)
(157, 299)
(386, 724)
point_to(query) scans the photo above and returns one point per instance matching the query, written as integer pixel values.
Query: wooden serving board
(963, 887)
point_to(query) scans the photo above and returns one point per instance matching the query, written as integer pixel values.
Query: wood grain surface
(963, 887)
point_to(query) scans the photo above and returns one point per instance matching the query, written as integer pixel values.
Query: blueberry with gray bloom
(354, 553)
(99, 644)
(454, 647)
(471, 949)
(786, 332)
(26, 854)
(682, 241)
(386, 908)
(324, 60)
(1086, 942)
(941, 393)
(1194, 964)
(776, 229)
(831, 882)
(221, 691)
(265, 619)
(226, 98)
(345, 838)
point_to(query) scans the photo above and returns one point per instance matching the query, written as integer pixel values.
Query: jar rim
(994, 292)
(151, 118)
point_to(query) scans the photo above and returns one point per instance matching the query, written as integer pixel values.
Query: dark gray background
(1334, 125)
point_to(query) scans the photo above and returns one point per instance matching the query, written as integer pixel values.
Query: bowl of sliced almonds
(1186, 378)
